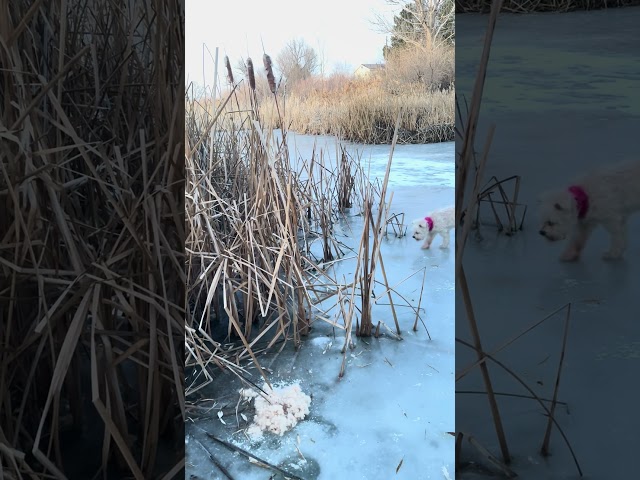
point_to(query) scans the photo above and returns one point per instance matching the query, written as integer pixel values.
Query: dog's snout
(543, 233)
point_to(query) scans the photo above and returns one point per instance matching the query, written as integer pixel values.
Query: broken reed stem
(215, 461)
(235, 448)
(386, 282)
(415, 324)
(547, 436)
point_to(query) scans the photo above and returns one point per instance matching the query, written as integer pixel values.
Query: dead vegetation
(261, 240)
(91, 255)
(357, 110)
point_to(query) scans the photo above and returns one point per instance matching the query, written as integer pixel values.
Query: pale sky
(341, 30)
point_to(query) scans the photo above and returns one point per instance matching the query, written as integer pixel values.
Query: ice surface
(572, 104)
(395, 402)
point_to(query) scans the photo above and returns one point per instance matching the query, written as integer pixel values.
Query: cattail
(267, 66)
(252, 77)
(229, 72)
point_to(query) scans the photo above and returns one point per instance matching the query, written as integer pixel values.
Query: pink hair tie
(581, 198)
(429, 222)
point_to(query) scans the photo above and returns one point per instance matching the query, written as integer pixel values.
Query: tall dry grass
(92, 230)
(366, 111)
(260, 239)
(359, 110)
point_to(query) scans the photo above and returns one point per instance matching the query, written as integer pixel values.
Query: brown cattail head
(229, 72)
(267, 66)
(252, 77)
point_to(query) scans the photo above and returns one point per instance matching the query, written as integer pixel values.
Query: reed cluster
(357, 110)
(365, 112)
(260, 237)
(92, 229)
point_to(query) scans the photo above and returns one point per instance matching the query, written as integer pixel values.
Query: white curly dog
(606, 196)
(440, 222)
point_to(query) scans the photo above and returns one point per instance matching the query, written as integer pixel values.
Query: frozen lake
(562, 103)
(395, 404)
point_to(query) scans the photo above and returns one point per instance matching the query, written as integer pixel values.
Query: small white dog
(439, 222)
(606, 197)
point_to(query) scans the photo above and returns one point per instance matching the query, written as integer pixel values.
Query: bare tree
(241, 66)
(424, 24)
(297, 61)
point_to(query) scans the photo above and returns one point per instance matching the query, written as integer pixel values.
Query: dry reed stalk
(463, 164)
(368, 254)
(251, 75)
(92, 273)
(266, 59)
(415, 324)
(544, 450)
(229, 71)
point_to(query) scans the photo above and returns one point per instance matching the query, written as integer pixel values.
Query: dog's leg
(617, 228)
(427, 240)
(577, 242)
(445, 239)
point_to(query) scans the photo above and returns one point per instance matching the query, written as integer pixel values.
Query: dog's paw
(425, 247)
(444, 246)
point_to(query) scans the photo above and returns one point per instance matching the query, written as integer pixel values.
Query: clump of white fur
(286, 406)
(613, 196)
(443, 222)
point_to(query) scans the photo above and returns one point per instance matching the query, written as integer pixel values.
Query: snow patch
(285, 407)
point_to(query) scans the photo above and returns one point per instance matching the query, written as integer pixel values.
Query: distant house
(365, 69)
